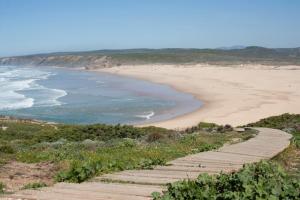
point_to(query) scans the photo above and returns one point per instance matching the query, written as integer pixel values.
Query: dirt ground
(15, 174)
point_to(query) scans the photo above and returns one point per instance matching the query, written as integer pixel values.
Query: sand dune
(231, 95)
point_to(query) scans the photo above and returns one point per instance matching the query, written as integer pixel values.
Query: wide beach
(234, 95)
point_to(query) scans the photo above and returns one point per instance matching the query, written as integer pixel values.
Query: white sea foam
(49, 97)
(9, 98)
(123, 99)
(146, 115)
(15, 81)
(13, 100)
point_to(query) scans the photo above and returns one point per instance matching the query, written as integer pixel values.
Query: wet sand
(234, 95)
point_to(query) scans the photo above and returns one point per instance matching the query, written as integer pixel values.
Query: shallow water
(70, 96)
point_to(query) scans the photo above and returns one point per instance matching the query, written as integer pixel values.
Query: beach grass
(290, 157)
(2, 187)
(262, 180)
(275, 179)
(80, 152)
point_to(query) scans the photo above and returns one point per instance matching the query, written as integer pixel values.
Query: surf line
(147, 116)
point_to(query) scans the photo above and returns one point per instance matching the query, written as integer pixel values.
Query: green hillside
(108, 58)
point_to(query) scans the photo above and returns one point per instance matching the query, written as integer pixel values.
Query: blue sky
(35, 26)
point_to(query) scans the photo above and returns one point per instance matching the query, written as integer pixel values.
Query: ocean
(81, 97)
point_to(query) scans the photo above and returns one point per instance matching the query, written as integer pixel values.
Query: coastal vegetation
(290, 157)
(79, 152)
(2, 186)
(109, 58)
(263, 180)
(286, 122)
(275, 179)
(35, 185)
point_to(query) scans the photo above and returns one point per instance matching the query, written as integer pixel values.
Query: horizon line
(225, 48)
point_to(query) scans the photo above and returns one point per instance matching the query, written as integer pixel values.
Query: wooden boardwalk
(139, 184)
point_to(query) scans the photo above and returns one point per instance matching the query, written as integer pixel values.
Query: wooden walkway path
(139, 184)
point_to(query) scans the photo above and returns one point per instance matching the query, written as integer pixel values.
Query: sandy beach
(234, 95)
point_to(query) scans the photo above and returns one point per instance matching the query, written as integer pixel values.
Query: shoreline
(169, 122)
(235, 95)
(184, 104)
(155, 122)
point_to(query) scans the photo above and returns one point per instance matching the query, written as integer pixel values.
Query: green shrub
(90, 144)
(98, 132)
(30, 133)
(79, 172)
(126, 142)
(263, 180)
(207, 125)
(34, 185)
(154, 137)
(208, 147)
(2, 187)
(6, 148)
(83, 151)
(210, 127)
(287, 122)
(279, 122)
(149, 163)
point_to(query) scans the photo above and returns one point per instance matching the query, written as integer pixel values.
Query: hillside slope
(109, 58)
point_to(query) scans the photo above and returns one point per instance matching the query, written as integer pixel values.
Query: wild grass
(84, 151)
(34, 185)
(290, 158)
(2, 188)
(263, 180)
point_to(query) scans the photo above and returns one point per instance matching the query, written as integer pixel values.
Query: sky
(40, 26)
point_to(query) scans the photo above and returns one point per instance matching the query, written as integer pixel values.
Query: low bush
(57, 135)
(79, 172)
(149, 163)
(154, 137)
(202, 126)
(34, 185)
(126, 142)
(209, 127)
(287, 122)
(5, 148)
(206, 147)
(2, 188)
(263, 180)
(82, 151)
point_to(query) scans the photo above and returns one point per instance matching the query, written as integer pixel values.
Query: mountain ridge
(117, 57)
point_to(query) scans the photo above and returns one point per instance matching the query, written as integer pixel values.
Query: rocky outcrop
(72, 61)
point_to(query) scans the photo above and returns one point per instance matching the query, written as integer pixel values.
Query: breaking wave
(147, 115)
(19, 89)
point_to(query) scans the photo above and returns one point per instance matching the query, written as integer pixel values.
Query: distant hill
(108, 58)
(232, 47)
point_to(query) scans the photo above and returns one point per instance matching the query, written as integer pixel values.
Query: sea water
(73, 96)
